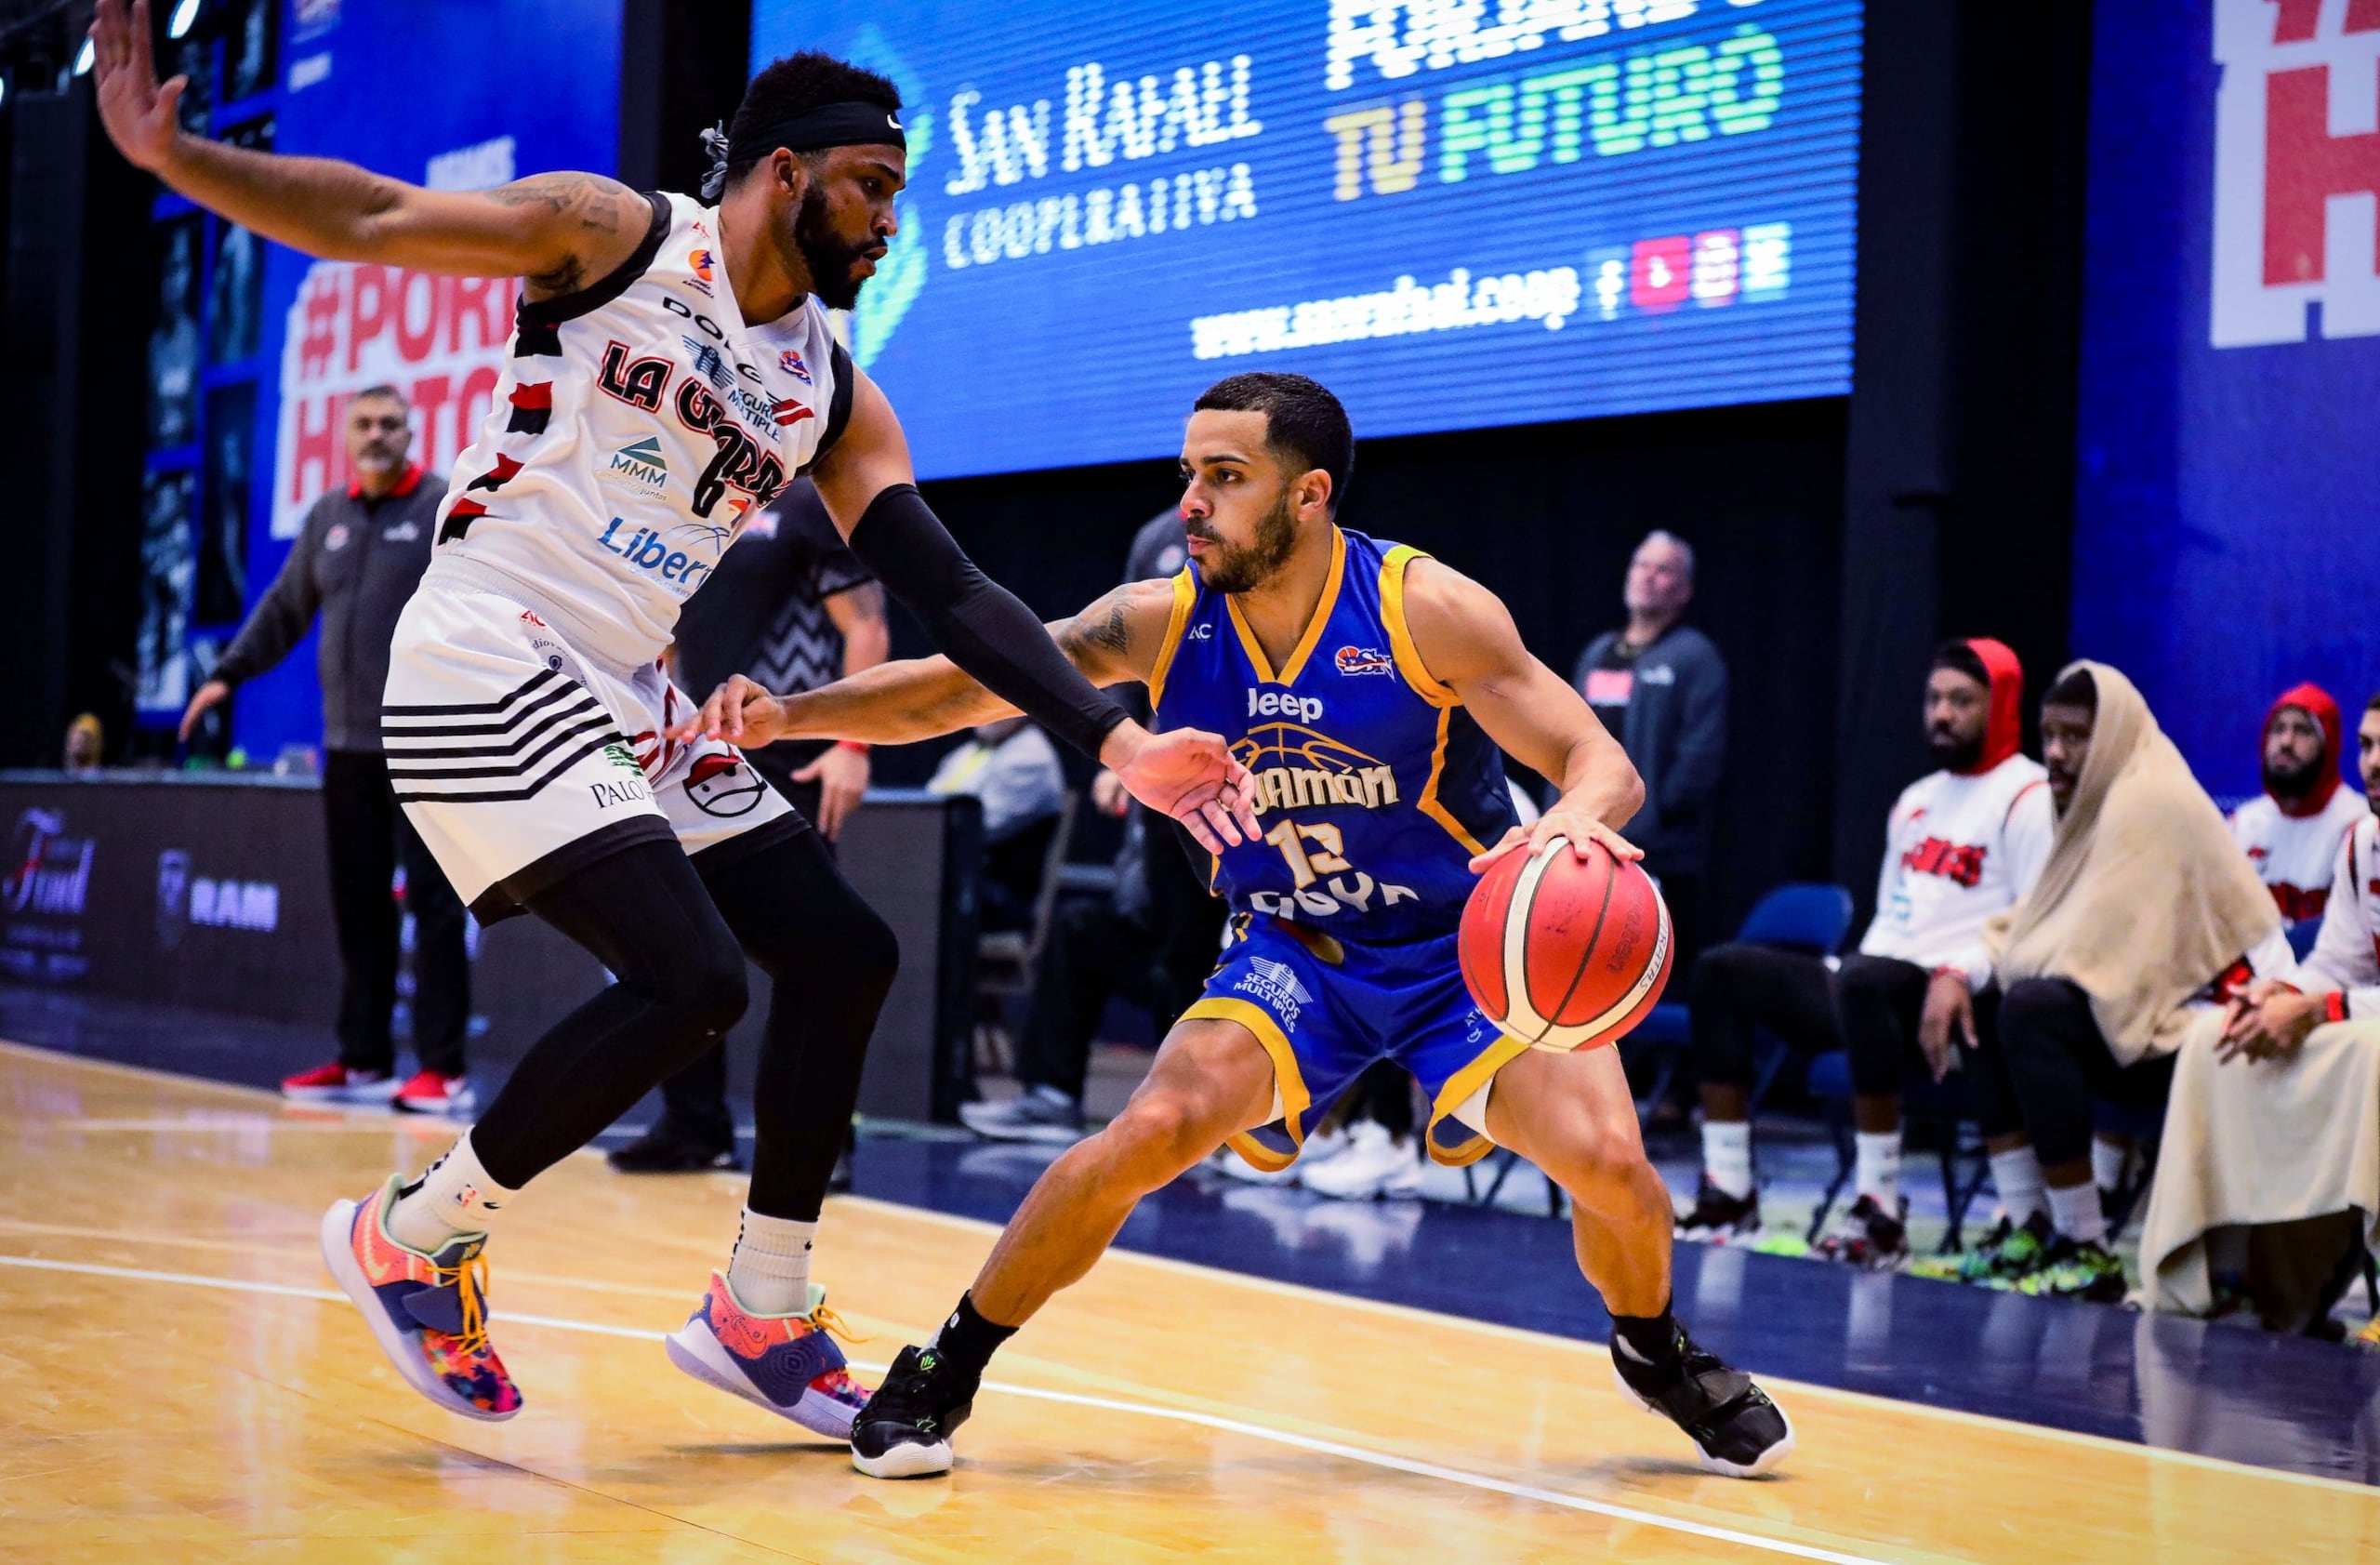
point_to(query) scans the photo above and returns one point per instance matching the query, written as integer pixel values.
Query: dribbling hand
(1188, 774)
(140, 116)
(1585, 833)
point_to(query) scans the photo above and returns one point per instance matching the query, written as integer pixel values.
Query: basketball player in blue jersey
(1369, 688)
(527, 707)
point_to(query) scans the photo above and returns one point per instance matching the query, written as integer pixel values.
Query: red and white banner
(2297, 169)
(440, 340)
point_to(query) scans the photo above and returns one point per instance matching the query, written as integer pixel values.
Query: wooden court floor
(177, 1382)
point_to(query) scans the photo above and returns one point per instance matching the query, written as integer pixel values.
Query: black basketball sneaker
(905, 1429)
(1720, 1218)
(1739, 1431)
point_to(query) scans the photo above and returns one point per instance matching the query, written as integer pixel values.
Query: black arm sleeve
(977, 622)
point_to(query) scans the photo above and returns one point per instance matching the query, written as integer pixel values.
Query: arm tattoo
(591, 197)
(1115, 635)
(1112, 634)
(594, 200)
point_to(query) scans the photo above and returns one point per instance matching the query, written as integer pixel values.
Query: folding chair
(1801, 915)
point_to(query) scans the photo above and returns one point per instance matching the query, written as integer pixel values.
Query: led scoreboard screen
(1453, 213)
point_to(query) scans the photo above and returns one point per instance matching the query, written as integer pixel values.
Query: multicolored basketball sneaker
(789, 1364)
(2006, 1253)
(429, 1313)
(2072, 1269)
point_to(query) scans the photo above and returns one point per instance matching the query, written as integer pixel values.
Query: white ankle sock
(2078, 1214)
(2107, 1164)
(453, 1196)
(2017, 1176)
(770, 1270)
(1878, 1170)
(1726, 1156)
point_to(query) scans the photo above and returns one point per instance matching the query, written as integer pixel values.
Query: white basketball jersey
(2294, 854)
(637, 424)
(1958, 850)
(2347, 952)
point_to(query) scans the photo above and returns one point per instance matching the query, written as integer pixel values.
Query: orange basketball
(1563, 951)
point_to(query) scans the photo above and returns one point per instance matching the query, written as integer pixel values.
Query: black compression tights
(672, 932)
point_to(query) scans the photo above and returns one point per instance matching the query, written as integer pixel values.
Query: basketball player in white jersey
(526, 714)
(2293, 829)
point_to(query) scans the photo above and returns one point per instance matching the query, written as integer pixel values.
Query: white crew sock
(2017, 1176)
(770, 1271)
(453, 1196)
(1878, 1170)
(1726, 1156)
(2078, 1214)
(2107, 1164)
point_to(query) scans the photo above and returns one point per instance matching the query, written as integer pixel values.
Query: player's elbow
(379, 225)
(1628, 784)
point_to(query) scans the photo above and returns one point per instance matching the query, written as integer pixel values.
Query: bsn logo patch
(1365, 660)
(1280, 703)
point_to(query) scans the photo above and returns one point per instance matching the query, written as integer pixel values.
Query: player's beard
(833, 261)
(1954, 754)
(1244, 569)
(2286, 783)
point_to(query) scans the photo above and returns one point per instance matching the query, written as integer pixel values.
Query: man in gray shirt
(357, 562)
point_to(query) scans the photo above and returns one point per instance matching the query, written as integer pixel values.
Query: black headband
(849, 124)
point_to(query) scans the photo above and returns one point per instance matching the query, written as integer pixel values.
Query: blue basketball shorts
(1324, 1010)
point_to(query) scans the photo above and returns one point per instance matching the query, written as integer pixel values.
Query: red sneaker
(429, 1093)
(336, 1083)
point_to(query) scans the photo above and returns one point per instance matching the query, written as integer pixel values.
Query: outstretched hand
(1189, 774)
(1584, 832)
(141, 117)
(741, 711)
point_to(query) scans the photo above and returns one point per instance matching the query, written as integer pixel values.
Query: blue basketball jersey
(1374, 785)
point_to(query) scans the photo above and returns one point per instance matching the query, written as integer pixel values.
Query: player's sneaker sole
(1768, 1461)
(695, 1349)
(339, 1255)
(908, 1460)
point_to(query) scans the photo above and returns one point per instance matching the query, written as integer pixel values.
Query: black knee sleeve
(712, 995)
(642, 912)
(832, 962)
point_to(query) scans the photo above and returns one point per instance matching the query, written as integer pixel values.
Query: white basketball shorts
(519, 760)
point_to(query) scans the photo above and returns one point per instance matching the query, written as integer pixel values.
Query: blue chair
(2302, 936)
(1801, 915)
